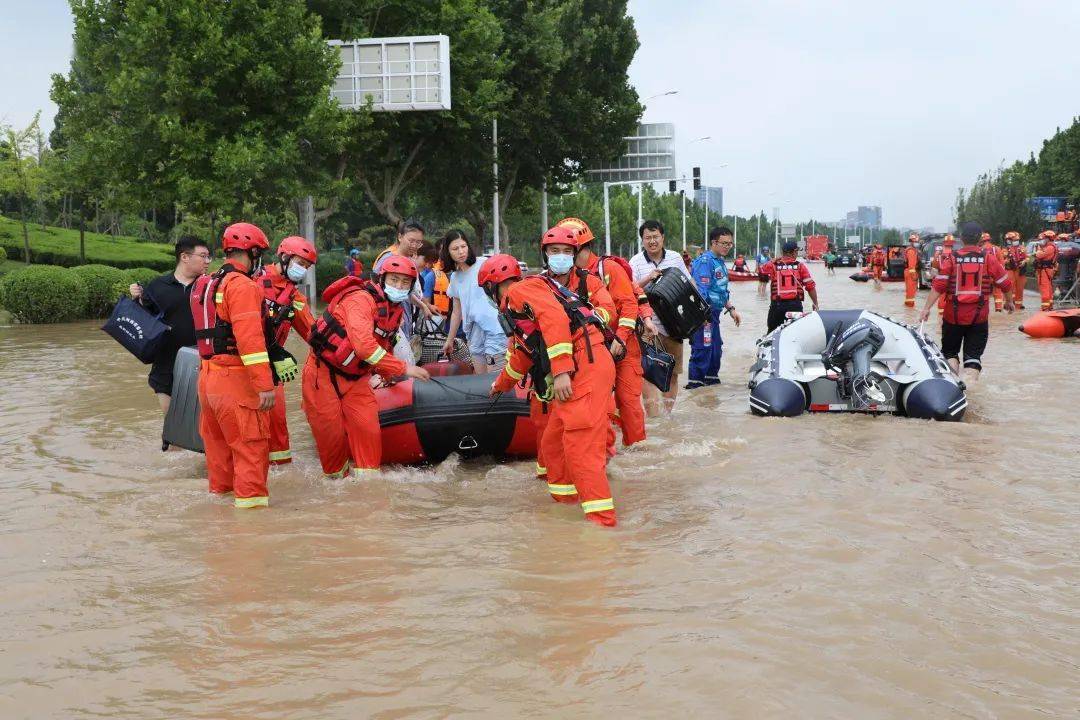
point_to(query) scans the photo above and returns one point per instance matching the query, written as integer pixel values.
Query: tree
(215, 106)
(20, 171)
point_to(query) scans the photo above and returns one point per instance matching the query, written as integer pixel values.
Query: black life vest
(329, 340)
(280, 306)
(213, 336)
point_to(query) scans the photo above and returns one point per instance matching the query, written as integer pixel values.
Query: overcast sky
(813, 106)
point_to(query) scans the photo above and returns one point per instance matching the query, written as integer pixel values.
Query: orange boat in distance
(1052, 324)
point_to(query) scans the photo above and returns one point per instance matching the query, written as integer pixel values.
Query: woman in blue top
(472, 310)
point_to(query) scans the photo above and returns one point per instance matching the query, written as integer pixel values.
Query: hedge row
(60, 246)
(52, 294)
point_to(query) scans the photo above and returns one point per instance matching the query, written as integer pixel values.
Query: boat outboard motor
(849, 354)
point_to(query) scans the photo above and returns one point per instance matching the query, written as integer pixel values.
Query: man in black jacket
(170, 294)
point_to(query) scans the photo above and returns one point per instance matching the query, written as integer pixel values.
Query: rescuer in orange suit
(945, 250)
(353, 339)
(236, 385)
(559, 342)
(911, 270)
(986, 242)
(630, 305)
(286, 308)
(1046, 267)
(877, 264)
(1016, 260)
(557, 251)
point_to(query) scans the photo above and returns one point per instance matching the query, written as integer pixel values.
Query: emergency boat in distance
(853, 361)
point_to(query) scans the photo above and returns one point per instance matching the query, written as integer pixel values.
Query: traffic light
(697, 178)
(671, 186)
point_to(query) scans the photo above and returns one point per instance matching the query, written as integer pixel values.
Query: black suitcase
(677, 303)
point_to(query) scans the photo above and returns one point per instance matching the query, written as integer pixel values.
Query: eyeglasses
(201, 256)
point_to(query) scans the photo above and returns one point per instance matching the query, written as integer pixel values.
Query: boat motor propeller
(849, 354)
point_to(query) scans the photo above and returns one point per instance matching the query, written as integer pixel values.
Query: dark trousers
(778, 309)
(972, 338)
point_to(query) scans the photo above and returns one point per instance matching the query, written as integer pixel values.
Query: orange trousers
(344, 419)
(280, 452)
(538, 413)
(629, 380)
(575, 439)
(911, 286)
(1045, 277)
(1019, 280)
(235, 433)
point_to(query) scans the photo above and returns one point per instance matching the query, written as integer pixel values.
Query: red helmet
(496, 269)
(243, 236)
(296, 245)
(913, 237)
(949, 241)
(400, 265)
(1047, 235)
(560, 235)
(1012, 235)
(584, 232)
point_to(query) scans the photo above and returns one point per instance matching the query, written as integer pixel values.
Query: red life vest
(279, 308)
(969, 276)
(213, 336)
(786, 284)
(329, 340)
(1050, 261)
(740, 264)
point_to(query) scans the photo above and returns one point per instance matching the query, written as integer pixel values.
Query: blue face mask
(296, 272)
(395, 295)
(560, 264)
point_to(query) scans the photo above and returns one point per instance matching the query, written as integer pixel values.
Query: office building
(715, 197)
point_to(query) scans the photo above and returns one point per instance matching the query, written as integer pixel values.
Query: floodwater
(819, 567)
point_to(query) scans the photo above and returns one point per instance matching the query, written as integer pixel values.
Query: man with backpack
(789, 280)
(967, 279)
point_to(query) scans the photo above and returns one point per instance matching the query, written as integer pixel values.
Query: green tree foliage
(43, 294)
(213, 105)
(21, 172)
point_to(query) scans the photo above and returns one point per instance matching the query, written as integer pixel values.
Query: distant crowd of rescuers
(573, 334)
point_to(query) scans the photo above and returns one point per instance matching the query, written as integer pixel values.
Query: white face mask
(395, 295)
(560, 264)
(296, 272)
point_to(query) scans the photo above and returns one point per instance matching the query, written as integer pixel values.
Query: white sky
(816, 107)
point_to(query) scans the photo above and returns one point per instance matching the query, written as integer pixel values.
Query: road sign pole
(683, 194)
(495, 170)
(607, 221)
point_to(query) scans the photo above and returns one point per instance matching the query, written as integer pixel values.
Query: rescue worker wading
(966, 280)
(1046, 266)
(877, 264)
(353, 339)
(630, 307)
(286, 308)
(911, 270)
(986, 242)
(1016, 259)
(558, 341)
(236, 384)
(711, 276)
(944, 250)
(788, 279)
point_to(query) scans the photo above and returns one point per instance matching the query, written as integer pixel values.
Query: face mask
(560, 264)
(395, 295)
(296, 272)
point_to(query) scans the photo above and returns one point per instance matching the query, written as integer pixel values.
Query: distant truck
(816, 245)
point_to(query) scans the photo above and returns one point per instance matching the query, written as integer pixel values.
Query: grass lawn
(60, 246)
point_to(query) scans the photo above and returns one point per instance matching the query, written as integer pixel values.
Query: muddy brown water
(824, 566)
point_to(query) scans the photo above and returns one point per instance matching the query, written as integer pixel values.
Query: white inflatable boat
(853, 361)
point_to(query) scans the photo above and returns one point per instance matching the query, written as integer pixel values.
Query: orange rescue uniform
(1015, 260)
(1045, 269)
(573, 441)
(877, 263)
(911, 275)
(343, 412)
(282, 296)
(235, 432)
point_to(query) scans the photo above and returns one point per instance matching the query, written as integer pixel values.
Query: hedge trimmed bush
(3, 254)
(44, 294)
(60, 246)
(99, 281)
(134, 275)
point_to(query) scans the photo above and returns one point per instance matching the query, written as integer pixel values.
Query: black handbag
(137, 329)
(658, 364)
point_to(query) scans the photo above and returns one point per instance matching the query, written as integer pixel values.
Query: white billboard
(650, 155)
(394, 74)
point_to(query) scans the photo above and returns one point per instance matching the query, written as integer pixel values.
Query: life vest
(442, 284)
(354, 268)
(1048, 262)
(213, 336)
(279, 306)
(786, 284)
(577, 305)
(1013, 257)
(329, 340)
(740, 264)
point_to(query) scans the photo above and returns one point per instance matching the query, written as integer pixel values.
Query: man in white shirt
(646, 266)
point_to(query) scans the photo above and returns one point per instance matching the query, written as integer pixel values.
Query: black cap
(970, 232)
(791, 246)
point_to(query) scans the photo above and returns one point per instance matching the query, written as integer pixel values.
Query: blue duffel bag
(136, 328)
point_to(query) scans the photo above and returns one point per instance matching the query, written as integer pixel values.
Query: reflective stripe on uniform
(591, 506)
(298, 304)
(219, 297)
(361, 472)
(251, 502)
(513, 373)
(375, 357)
(540, 469)
(557, 489)
(628, 323)
(255, 358)
(558, 349)
(603, 315)
(279, 455)
(339, 474)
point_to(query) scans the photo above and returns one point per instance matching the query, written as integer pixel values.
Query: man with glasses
(711, 275)
(170, 294)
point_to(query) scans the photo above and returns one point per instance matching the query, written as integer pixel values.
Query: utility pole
(543, 208)
(758, 234)
(495, 169)
(607, 220)
(683, 194)
(776, 231)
